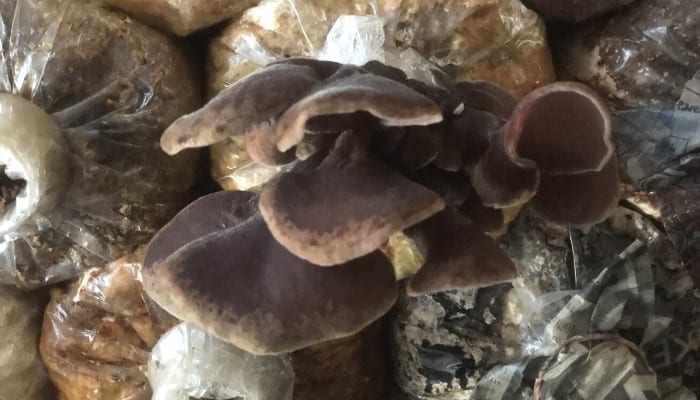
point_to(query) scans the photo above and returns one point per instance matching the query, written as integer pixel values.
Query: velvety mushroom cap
(253, 101)
(204, 216)
(563, 127)
(502, 182)
(469, 132)
(559, 129)
(420, 146)
(241, 285)
(460, 256)
(581, 199)
(485, 96)
(345, 208)
(391, 102)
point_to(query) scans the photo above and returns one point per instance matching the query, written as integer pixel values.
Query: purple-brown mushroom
(311, 91)
(373, 155)
(217, 265)
(254, 101)
(345, 208)
(555, 150)
(459, 256)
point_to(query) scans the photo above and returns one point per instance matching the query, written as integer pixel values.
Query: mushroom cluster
(373, 154)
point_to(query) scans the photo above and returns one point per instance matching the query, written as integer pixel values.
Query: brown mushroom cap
(345, 208)
(502, 182)
(204, 216)
(253, 101)
(391, 102)
(241, 285)
(420, 146)
(485, 96)
(559, 129)
(581, 199)
(563, 127)
(460, 256)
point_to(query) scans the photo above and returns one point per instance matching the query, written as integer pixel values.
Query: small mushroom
(254, 101)
(469, 132)
(391, 102)
(485, 96)
(345, 208)
(459, 256)
(420, 146)
(556, 133)
(580, 199)
(204, 216)
(453, 187)
(241, 285)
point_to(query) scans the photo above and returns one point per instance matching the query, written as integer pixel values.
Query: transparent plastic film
(190, 363)
(641, 57)
(447, 33)
(98, 333)
(82, 162)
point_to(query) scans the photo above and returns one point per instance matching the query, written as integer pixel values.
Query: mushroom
(253, 102)
(313, 90)
(346, 208)
(379, 158)
(556, 140)
(391, 102)
(459, 256)
(230, 276)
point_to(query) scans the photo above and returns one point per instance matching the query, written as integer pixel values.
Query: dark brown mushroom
(469, 132)
(204, 216)
(345, 208)
(247, 105)
(241, 285)
(580, 199)
(459, 256)
(453, 187)
(487, 219)
(485, 96)
(420, 146)
(391, 102)
(558, 131)
(501, 181)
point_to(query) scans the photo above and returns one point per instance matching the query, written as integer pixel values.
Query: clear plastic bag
(111, 86)
(188, 362)
(641, 57)
(182, 17)
(448, 33)
(98, 333)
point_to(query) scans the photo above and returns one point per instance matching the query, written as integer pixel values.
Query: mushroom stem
(34, 169)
